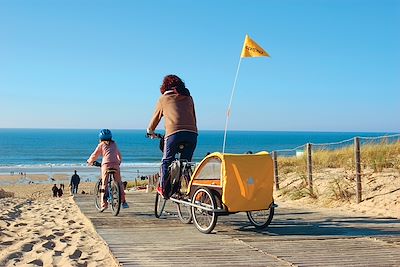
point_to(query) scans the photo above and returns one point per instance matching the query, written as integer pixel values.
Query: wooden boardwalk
(296, 237)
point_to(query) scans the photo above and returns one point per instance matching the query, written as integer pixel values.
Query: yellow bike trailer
(229, 183)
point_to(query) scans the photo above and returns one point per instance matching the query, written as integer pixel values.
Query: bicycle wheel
(203, 217)
(184, 213)
(159, 205)
(261, 218)
(97, 195)
(115, 198)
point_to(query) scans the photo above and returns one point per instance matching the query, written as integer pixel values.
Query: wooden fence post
(276, 176)
(309, 167)
(357, 156)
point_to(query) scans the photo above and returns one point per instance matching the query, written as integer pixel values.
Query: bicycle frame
(112, 192)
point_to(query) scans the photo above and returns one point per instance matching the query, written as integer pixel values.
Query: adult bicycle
(179, 174)
(112, 192)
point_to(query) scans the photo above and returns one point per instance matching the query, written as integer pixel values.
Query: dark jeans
(171, 147)
(74, 188)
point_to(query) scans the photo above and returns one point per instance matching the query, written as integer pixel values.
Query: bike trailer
(246, 180)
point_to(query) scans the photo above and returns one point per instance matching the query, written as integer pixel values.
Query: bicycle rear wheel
(115, 198)
(97, 195)
(159, 205)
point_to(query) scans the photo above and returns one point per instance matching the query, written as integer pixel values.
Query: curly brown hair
(174, 83)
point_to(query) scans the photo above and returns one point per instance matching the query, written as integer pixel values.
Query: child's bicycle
(180, 172)
(112, 192)
(224, 184)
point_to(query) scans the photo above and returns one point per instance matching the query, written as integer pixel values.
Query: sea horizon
(66, 147)
(61, 151)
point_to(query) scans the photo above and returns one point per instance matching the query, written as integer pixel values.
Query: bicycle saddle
(111, 170)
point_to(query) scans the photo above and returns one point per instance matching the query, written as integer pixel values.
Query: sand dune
(335, 188)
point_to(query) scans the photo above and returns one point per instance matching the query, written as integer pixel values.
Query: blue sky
(334, 66)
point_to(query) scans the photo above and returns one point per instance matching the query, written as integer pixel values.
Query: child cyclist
(112, 158)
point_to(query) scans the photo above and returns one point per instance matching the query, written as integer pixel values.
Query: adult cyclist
(177, 107)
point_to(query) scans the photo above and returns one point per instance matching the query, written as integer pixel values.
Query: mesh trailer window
(211, 170)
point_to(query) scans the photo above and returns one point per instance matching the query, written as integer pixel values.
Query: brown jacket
(178, 111)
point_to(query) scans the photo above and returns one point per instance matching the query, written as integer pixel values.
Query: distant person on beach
(75, 180)
(55, 190)
(107, 148)
(60, 192)
(177, 107)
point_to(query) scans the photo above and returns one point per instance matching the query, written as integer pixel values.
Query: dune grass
(374, 156)
(293, 170)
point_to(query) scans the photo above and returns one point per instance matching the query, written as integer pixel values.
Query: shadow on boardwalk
(307, 223)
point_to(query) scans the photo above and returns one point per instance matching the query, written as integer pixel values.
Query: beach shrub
(341, 189)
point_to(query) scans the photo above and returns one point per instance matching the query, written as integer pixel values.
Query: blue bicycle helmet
(105, 135)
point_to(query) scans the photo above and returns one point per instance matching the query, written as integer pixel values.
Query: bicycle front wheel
(115, 198)
(97, 195)
(159, 205)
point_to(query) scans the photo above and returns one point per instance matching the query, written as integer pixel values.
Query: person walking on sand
(107, 148)
(54, 189)
(75, 180)
(177, 107)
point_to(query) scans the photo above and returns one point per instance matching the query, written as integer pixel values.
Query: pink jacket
(109, 152)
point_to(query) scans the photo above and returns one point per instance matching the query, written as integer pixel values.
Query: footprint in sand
(20, 224)
(49, 245)
(27, 247)
(15, 255)
(58, 233)
(76, 255)
(49, 237)
(66, 239)
(82, 264)
(6, 243)
(57, 253)
(71, 222)
(36, 262)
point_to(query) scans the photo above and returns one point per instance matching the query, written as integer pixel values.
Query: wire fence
(335, 168)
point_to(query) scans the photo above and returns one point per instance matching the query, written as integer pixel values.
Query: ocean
(63, 150)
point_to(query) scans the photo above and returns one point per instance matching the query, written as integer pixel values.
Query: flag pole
(228, 114)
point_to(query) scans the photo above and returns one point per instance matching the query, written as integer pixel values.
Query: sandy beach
(39, 230)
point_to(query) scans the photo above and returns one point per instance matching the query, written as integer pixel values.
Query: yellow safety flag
(252, 49)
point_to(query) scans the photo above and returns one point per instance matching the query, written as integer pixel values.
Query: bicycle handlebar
(97, 164)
